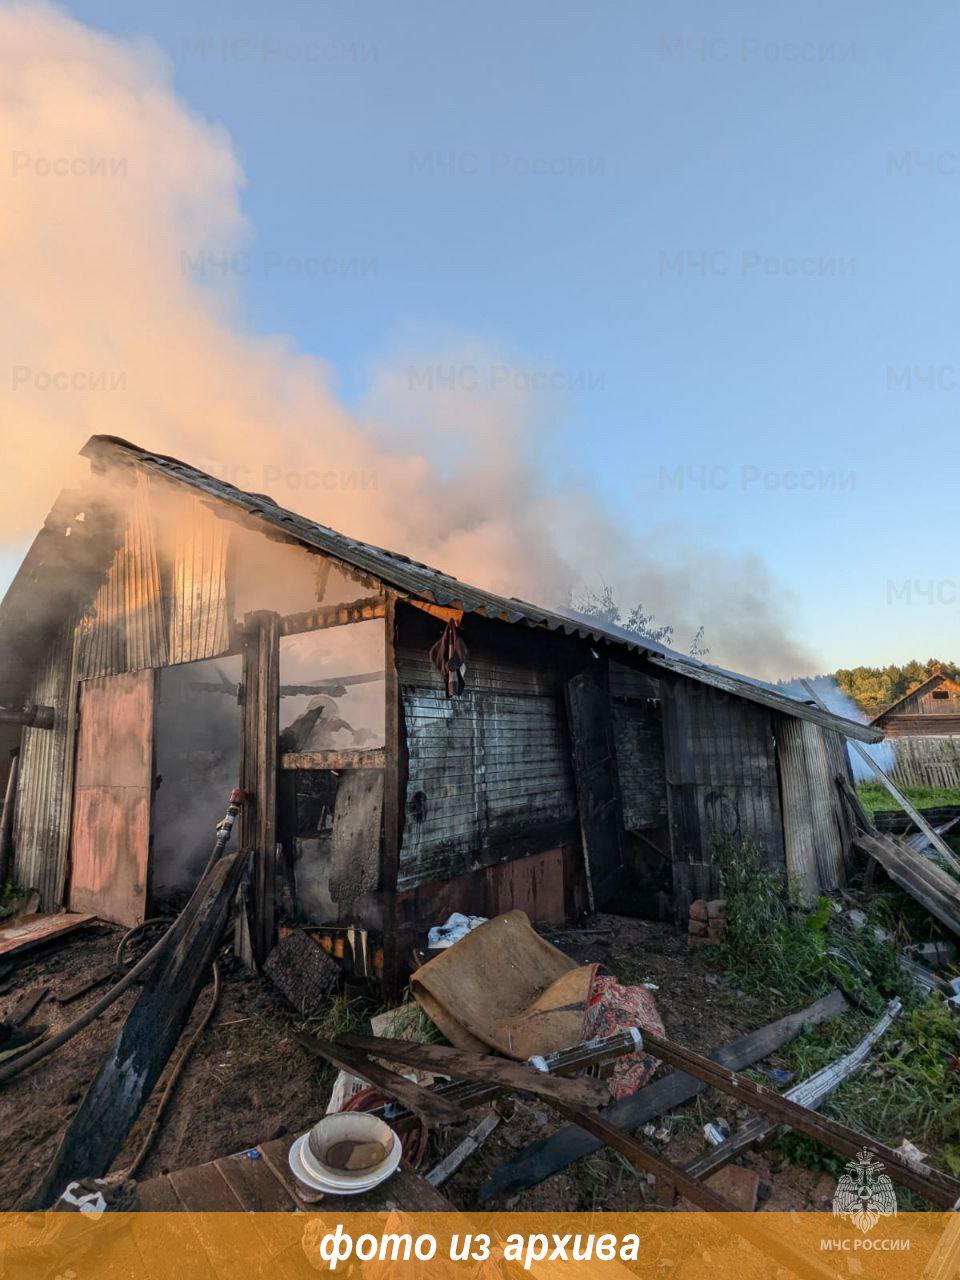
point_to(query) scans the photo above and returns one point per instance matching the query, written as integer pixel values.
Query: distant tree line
(874, 688)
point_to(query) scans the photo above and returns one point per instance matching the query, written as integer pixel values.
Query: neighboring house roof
(925, 686)
(419, 581)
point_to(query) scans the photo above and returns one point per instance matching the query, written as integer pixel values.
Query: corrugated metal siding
(40, 807)
(133, 622)
(124, 630)
(489, 774)
(199, 622)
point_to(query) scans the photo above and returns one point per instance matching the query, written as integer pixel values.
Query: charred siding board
(721, 782)
(489, 774)
(638, 735)
(39, 817)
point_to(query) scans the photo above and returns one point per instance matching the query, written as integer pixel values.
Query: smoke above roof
(114, 190)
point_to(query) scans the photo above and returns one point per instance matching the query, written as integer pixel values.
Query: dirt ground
(248, 1082)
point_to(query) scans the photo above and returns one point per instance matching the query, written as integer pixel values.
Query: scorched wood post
(394, 787)
(258, 770)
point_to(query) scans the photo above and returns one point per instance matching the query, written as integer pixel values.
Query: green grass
(796, 956)
(909, 1088)
(874, 796)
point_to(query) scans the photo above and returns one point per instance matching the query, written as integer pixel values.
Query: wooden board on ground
(237, 1182)
(24, 932)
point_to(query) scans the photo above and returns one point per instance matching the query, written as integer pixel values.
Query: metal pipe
(30, 717)
(6, 822)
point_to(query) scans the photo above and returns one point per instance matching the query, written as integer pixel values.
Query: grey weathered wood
(933, 888)
(138, 1055)
(765, 697)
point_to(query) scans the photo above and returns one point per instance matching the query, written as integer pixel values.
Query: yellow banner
(400, 1246)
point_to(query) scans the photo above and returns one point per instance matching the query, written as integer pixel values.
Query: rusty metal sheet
(113, 787)
(27, 931)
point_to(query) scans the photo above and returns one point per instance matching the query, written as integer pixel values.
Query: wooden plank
(156, 1195)
(113, 788)
(550, 1155)
(765, 697)
(203, 1189)
(932, 888)
(137, 1057)
(463, 1065)
(253, 1183)
(430, 1107)
(333, 615)
(359, 758)
(23, 932)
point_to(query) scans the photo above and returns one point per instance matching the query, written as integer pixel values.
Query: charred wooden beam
(258, 769)
(937, 1187)
(347, 758)
(485, 1068)
(138, 1055)
(550, 1155)
(333, 615)
(695, 1191)
(431, 1108)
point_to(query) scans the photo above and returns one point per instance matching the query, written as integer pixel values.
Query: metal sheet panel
(38, 827)
(113, 787)
(124, 628)
(199, 623)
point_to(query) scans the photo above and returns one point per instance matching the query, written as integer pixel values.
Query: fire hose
(41, 1051)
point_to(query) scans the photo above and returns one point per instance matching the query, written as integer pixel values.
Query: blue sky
(729, 232)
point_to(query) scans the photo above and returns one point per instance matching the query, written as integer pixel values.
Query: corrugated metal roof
(420, 581)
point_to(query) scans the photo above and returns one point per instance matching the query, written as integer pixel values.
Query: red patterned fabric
(611, 1008)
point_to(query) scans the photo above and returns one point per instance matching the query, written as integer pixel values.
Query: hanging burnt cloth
(449, 656)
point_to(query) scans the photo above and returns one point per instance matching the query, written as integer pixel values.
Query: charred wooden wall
(637, 722)
(722, 784)
(488, 774)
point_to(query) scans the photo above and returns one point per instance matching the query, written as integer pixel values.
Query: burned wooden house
(408, 745)
(923, 728)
